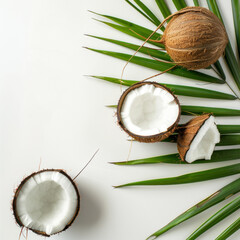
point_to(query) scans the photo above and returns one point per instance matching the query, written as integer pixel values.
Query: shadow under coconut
(90, 209)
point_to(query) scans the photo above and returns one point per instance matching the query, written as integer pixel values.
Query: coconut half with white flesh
(197, 138)
(148, 112)
(46, 202)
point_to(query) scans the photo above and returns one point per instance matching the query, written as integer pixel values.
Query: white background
(51, 111)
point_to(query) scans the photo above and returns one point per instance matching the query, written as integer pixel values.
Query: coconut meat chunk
(149, 110)
(204, 142)
(47, 202)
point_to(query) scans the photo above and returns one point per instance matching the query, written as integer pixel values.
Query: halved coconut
(148, 112)
(46, 202)
(197, 138)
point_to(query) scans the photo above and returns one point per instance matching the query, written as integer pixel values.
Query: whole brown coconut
(194, 38)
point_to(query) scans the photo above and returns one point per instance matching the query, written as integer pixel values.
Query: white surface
(149, 110)
(49, 110)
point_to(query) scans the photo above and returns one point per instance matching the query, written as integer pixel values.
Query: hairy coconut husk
(187, 133)
(14, 205)
(194, 38)
(152, 138)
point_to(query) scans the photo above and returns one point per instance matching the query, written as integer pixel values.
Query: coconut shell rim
(14, 207)
(209, 115)
(150, 138)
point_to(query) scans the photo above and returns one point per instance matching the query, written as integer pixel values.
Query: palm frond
(176, 89)
(147, 11)
(140, 11)
(163, 8)
(217, 156)
(161, 66)
(179, 4)
(190, 177)
(235, 226)
(236, 19)
(216, 218)
(219, 196)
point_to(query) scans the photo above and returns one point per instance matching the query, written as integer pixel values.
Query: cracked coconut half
(46, 202)
(148, 112)
(197, 138)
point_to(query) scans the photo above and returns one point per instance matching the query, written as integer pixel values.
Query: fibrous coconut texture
(197, 138)
(148, 112)
(46, 202)
(194, 38)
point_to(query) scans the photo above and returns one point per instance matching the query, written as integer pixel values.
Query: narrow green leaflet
(216, 218)
(217, 156)
(229, 140)
(177, 89)
(161, 66)
(146, 50)
(219, 69)
(236, 19)
(226, 129)
(141, 12)
(190, 177)
(163, 8)
(136, 28)
(198, 110)
(229, 54)
(235, 226)
(220, 195)
(148, 12)
(179, 4)
(196, 3)
(136, 33)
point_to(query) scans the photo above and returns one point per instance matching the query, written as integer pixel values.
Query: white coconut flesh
(149, 110)
(204, 142)
(47, 202)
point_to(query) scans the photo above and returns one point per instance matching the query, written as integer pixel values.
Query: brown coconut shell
(14, 203)
(187, 133)
(195, 38)
(151, 138)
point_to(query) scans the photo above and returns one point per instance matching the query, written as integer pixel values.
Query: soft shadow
(90, 209)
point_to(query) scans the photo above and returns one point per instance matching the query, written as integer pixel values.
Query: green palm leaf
(235, 226)
(179, 4)
(190, 177)
(147, 11)
(176, 89)
(163, 8)
(216, 218)
(136, 33)
(161, 66)
(217, 156)
(225, 129)
(236, 19)
(198, 110)
(141, 12)
(196, 3)
(144, 32)
(146, 50)
(219, 196)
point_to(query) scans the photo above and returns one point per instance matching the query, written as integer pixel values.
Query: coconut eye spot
(149, 110)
